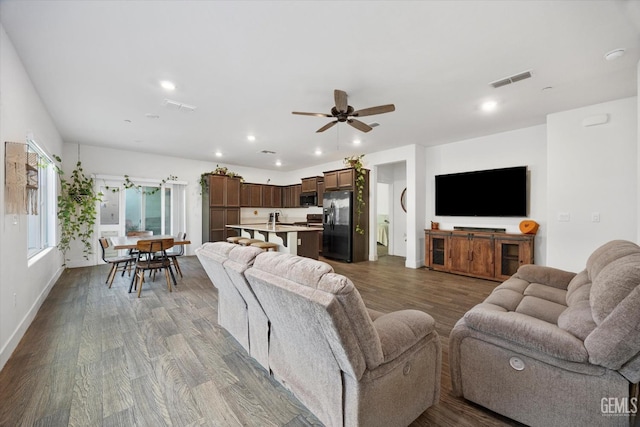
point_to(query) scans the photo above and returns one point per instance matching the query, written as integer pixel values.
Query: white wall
(591, 170)
(26, 282)
(522, 147)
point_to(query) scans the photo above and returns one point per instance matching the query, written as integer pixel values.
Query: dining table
(130, 242)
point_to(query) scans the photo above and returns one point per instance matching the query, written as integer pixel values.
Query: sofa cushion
(527, 331)
(542, 309)
(549, 293)
(579, 289)
(547, 275)
(577, 320)
(607, 253)
(613, 283)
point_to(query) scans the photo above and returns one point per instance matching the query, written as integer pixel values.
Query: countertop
(279, 228)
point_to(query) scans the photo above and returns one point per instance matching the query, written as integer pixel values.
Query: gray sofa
(233, 314)
(550, 347)
(349, 365)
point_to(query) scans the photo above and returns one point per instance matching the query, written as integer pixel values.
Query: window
(148, 206)
(41, 220)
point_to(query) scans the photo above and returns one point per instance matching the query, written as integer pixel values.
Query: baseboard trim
(14, 340)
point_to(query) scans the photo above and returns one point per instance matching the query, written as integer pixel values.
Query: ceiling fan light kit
(343, 112)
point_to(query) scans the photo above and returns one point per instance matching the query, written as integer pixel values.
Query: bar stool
(247, 242)
(235, 239)
(266, 246)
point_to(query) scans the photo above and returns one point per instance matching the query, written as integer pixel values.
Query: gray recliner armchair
(550, 347)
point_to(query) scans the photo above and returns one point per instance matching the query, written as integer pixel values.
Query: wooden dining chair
(115, 262)
(178, 250)
(138, 233)
(146, 261)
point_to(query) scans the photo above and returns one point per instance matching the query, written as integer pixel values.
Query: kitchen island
(292, 239)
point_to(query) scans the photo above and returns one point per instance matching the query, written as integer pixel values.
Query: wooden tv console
(485, 254)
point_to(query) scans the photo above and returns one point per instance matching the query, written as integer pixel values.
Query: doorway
(391, 218)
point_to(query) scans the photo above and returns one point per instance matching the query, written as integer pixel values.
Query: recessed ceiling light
(318, 152)
(614, 54)
(489, 106)
(251, 138)
(356, 142)
(218, 154)
(278, 163)
(167, 85)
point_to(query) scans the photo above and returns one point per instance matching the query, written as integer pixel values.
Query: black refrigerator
(337, 220)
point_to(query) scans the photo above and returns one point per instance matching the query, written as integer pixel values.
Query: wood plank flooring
(96, 356)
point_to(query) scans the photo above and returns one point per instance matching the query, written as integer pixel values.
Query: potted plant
(76, 209)
(355, 162)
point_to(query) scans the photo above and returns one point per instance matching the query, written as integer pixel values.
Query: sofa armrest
(400, 330)
(526, 331)
(545, 275)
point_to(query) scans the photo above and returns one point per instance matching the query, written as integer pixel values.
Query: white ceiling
(247, 65)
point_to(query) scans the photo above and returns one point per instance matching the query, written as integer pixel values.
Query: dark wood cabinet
(291, 195)
(320, 193)
(488, 255)
(224, 191)
(251, 196)
(218, 219)
(271, 196)
(341, 179)
(220, 206)
(309, 185)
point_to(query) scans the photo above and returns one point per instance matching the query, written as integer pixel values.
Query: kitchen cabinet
(220, 206)
(310, 185)
(218, 219)
(342, 179)
(271, 196)
(320, 192)
(291, 197)
(251, 196)
(224, 191)
(488, 255)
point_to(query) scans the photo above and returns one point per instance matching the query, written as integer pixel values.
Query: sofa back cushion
(607, 253)
(339, 311)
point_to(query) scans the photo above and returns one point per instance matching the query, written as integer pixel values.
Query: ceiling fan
(345, 113)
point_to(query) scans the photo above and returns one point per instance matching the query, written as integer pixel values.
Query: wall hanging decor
(20, 179)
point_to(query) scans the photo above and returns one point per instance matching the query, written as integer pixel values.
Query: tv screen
(496, 192)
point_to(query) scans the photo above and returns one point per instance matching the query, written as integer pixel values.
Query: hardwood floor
(97, 356)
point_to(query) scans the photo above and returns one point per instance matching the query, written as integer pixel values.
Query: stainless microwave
(309, 199)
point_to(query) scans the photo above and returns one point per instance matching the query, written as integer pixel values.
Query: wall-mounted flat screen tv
(495, 192)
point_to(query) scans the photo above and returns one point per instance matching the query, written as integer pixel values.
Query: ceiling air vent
(511, 79)
(175, 105)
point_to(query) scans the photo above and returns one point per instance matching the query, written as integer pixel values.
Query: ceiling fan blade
(341, 100)
(375, 110)
(312, 114)
(327, 126)
(359, 125)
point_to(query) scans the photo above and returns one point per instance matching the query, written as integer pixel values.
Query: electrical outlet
(595, 217)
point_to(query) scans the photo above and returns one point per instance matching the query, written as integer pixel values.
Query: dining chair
(146, 261)
(115, 262)
(138, 233)
(176, 251)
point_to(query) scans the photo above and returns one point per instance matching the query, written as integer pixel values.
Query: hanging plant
(219, 170)
(140, 188)
(355, 162)
(76, 209)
